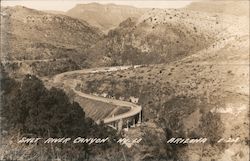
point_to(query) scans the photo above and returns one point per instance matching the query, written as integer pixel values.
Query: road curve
(134, 108)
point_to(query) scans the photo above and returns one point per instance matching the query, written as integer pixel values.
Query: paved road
(134, 109)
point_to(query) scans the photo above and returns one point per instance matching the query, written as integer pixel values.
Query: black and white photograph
(124, 80)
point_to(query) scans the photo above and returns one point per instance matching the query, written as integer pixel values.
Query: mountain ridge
(164, 35)
(33, 35)
(104, 16)
(233, 7)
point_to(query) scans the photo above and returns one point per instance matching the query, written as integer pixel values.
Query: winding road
(32, 60)
(134, 108)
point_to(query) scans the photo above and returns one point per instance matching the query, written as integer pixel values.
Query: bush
(33, 109)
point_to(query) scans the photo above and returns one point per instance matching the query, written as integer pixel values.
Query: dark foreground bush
(29, 109)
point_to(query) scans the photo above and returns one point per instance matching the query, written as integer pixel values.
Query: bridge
(126, 123)
(126, 120)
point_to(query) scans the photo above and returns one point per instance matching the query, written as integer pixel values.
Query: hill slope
(205, 94)
(162, 36)
(34, 35)
(233, 7)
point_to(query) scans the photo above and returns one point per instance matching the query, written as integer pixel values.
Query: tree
(33, 109)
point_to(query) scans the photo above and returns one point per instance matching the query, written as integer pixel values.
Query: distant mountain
(55, 12)
(104, 16)
(35, 35)
(162, 36)
(233, 7)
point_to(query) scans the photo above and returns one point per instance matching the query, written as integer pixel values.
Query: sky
(64, 5)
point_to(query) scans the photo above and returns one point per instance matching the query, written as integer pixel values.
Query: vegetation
(179, 105)
(31, 110)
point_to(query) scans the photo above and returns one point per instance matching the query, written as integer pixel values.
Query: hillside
(232, 7)
(35, 35)
(193, 82)
(104, 16)
(205, 94)
(162, 36)
(28, 109)
(187, 99)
